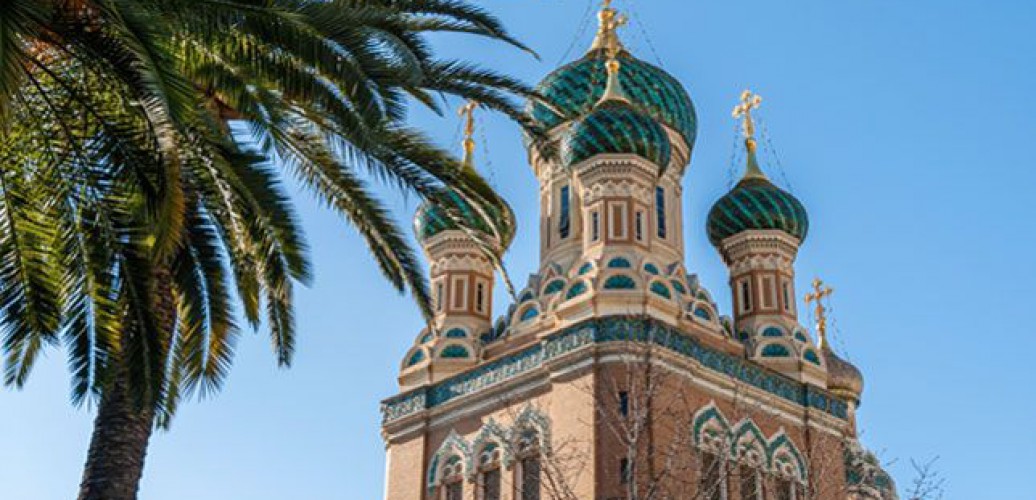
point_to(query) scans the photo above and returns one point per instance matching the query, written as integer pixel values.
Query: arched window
(801, 337)
(678, 287)
(452, 484)
(529, 466)
(712, 486)
(619, 282)
(489, 479)
(773, 331)
(812, 357)
(785, 489)
(620, 263)
(456, 333)
(651, 268)
(585, 268)
(527, 296)
(750, 482)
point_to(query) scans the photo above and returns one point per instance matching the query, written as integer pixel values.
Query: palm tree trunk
(119, 443)
(123, 427)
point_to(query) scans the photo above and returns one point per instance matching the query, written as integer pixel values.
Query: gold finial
(467, 111)
(817, 295)
(743, 110)
(609, 21)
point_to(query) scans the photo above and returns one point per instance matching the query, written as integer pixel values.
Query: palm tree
(141, 191)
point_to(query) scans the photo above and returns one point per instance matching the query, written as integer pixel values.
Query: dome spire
(607, 37)
(467, 111)
(817, 295)
(613, 90)
(743, 110)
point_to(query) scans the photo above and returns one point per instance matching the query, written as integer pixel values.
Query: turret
(461, 276)
(757, 228)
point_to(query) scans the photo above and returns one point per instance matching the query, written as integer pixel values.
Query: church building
(615, 375)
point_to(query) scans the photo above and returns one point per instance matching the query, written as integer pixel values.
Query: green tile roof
(755, 203)
(574, 88)
(615, 127)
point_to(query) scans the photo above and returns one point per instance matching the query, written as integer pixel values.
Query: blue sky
(902, 126)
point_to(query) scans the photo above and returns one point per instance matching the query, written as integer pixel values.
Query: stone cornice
(602, 331)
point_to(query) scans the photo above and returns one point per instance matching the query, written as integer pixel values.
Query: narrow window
(785, 290)
(749, 483)
(530, 478)
(660, 211)
(746, 296)
(712, 477)
(768, 293)
(479, 291)
(639, 226)
(595, 226)
(624, 403)
(563, 225)
(453, 491)
(785, 489)
(625, 471)
(460, 293)
(438, 296)
(491, 484)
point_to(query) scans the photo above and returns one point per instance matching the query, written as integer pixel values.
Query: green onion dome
(432, 219)
(575, 88)
(754, 204)
(615, 126)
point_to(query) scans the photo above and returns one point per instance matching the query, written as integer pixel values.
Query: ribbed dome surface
(575, 88)
(843, 378)
(755, 203)
(616, 127)
(432, 219)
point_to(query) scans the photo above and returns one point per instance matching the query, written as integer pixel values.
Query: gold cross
(607, 37)
(467, 111)
(817, 295)
(749, 101)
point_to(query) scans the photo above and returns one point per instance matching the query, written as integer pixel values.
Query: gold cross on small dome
(749, 101)
(467, 111)
(817, 295)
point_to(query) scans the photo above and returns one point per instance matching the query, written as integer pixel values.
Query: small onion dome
(616, 127)
(573, 90)
(432, 219)
(755, 203)
(843, 378)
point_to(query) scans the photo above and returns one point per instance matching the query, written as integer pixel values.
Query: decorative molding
(606, 330)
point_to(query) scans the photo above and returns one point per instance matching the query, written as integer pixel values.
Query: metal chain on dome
(735, 157)
(487, 162)
(644, 34)
(584, 23)
(772, 151)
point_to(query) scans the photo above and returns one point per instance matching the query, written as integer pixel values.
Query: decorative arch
(526, 296)
(620, 263)
(455, 351)
(784, 458)
(811, 356)
(775, 350)
(491, 434)
(416, 355)
(554, 286)
(660, 289)
(703, 312)
(453, 445)
(528, 313)
(678, 286)
(710, 428)
(748, 444)
(456, 333)
(620, 282)
(577, 289)
(773, 331)
(651, 269)
(585, 268)
(530, 419)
